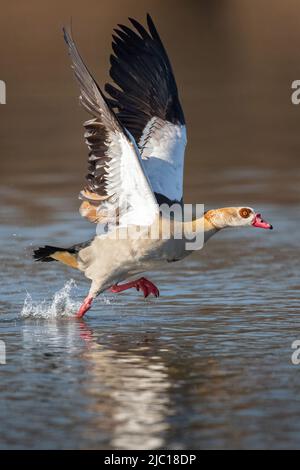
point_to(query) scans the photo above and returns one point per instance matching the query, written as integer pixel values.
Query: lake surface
(207, 365)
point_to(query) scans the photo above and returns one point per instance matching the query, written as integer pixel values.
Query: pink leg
(84, 307)
(146, 286)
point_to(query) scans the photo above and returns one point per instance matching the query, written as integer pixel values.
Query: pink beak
(259, 222)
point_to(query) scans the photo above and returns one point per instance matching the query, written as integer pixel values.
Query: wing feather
(145, 97)
(118, 190)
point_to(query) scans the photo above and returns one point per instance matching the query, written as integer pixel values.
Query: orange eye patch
(245, 212)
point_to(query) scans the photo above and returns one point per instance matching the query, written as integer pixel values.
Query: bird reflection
(136, 382)
(123, 386)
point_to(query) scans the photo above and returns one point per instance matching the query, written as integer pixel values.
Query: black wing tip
(67, 34)
(140, 28)
(153, 30)
(150, 21)
(148, 18)
(43, 253)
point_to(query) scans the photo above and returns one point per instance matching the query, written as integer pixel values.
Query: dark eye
(244, 212)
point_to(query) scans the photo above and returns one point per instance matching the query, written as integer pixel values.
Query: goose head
(236, 217)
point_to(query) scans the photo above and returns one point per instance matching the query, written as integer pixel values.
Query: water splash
(61, 305)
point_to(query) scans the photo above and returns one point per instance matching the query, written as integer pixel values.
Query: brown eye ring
(244, 212)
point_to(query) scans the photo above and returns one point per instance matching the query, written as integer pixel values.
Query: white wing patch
(127, 185)
(162, 147)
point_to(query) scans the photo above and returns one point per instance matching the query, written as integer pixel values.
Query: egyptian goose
(136, 140)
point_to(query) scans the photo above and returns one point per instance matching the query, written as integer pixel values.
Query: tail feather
(48, 253)
(68, 256)
(44, 253)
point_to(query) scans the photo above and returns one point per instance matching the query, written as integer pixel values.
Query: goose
(136, 138)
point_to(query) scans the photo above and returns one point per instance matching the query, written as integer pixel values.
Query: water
(207, 365)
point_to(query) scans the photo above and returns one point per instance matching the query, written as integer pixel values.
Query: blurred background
(234, 63)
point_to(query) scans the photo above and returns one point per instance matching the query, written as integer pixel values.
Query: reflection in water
(138, 403)
(124, 386)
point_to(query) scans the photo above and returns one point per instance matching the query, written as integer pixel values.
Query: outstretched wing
(146, 101)
(116, 182)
